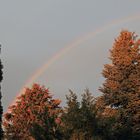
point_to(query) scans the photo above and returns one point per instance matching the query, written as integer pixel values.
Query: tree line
(115, 115)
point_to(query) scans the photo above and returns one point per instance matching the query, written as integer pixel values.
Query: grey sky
(32, 31)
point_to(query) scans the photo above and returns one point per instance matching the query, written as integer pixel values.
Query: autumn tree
(121, 89)
(1, 108)
(35, 115)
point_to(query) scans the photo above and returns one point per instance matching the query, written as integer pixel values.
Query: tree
(121, 89)
(70, 116)
(87, 116)
(79, 117)
(35, 115)
(105, 118)
(1, 108)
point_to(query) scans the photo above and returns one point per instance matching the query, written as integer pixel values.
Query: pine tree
(1, 108)
(121, 89)
(79, 117)
(70, 116)
(87, 116)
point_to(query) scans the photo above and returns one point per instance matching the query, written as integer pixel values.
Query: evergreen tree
(70, 116)
(79, 117)
(105, 118)
(87, 116)
(1, 108)
(121, 90)
(34, 116)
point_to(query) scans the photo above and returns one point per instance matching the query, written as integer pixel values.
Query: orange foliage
(35, 106)
(121, 89)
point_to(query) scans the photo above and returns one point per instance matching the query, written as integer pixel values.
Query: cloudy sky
(33, 31)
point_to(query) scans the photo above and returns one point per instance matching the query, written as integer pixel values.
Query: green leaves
(79, 117)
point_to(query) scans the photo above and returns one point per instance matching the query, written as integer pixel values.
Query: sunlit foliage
(113, 116)
(121, 89)
(34, 116)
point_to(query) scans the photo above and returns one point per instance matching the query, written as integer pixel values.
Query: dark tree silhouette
(1, 108)
(79, 117)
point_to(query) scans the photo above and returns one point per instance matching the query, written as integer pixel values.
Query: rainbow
(74, 44)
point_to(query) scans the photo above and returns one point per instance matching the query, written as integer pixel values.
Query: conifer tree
(79, 117)
(1, 108)
(121, 89)
(87, 116)
(70, 116)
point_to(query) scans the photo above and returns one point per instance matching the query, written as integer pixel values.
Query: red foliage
(35, 106)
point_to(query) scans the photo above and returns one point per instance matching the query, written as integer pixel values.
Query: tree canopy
(34, 115)
(115, 115)
(121, 89)
(79, 117)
